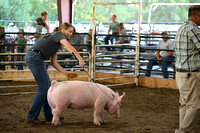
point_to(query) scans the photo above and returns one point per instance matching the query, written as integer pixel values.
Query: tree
(27, 10)
(128, 13)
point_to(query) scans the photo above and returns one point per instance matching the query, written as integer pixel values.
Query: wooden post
(64, 11)
(2, 47)
(93, 52)
(137, 49)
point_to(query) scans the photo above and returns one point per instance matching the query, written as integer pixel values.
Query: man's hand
(162, 58)
(158, 62)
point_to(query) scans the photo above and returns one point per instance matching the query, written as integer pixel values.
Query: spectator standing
(89, 39)
(44, 17)
(187, 53)
(162, 56)
(20, 48)
(39, 29)
(115, 32)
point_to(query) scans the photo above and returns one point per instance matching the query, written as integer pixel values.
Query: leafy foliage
(129, 13)
(29, 10)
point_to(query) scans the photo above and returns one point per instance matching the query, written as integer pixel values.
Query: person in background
(76, 40)
(122, 31)
(43, 27)
(44, 17)
(20, 48)
(39, 28)
(89, 39)
(115, 32)
(162, 56)
(44, 49)
(187, 53)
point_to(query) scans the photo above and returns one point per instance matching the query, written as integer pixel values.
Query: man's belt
(183, 70)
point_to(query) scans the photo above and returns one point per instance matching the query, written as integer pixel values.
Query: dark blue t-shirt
(49, 44)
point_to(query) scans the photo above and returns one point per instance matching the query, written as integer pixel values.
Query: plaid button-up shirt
(186, 47)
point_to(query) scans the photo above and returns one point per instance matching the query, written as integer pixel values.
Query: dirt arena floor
(143, 110)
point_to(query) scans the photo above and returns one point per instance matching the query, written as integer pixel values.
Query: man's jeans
(111, 37)
(20, 58)
(36, 64)
(163, 64)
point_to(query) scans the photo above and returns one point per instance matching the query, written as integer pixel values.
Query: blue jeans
(36, 64)
(111, 37)
(163, 64)
(20, 58)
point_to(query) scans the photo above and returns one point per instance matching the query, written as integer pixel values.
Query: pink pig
(80, 95)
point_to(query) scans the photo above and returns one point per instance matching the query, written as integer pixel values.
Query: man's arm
(158, 54)
(88, 40)
(35, 36)
(195, 36)
(108, 31)
(168, 55)
(80, 48)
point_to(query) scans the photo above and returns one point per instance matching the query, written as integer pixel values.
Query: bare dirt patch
(143, 110)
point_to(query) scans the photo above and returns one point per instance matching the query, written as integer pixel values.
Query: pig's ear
(117, 93)
(120, 98)
(53, 82)
(122, 95)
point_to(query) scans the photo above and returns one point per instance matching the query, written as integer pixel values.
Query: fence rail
(121, 61)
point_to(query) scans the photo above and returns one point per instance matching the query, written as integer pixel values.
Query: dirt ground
(143, 110)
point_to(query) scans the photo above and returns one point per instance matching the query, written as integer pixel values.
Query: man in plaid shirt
(187, 53)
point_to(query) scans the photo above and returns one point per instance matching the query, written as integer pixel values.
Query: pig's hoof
(97, 123)
(53, 124)
(56, 124)
(61, 118)
(104, 122)
(59, 123)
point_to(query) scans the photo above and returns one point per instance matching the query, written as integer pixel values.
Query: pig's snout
(117, 116)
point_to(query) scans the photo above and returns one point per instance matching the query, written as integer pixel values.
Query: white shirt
(169, 45)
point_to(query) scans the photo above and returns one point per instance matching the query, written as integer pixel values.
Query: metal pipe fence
(121, 61)
(8, 55)
(129, 58)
